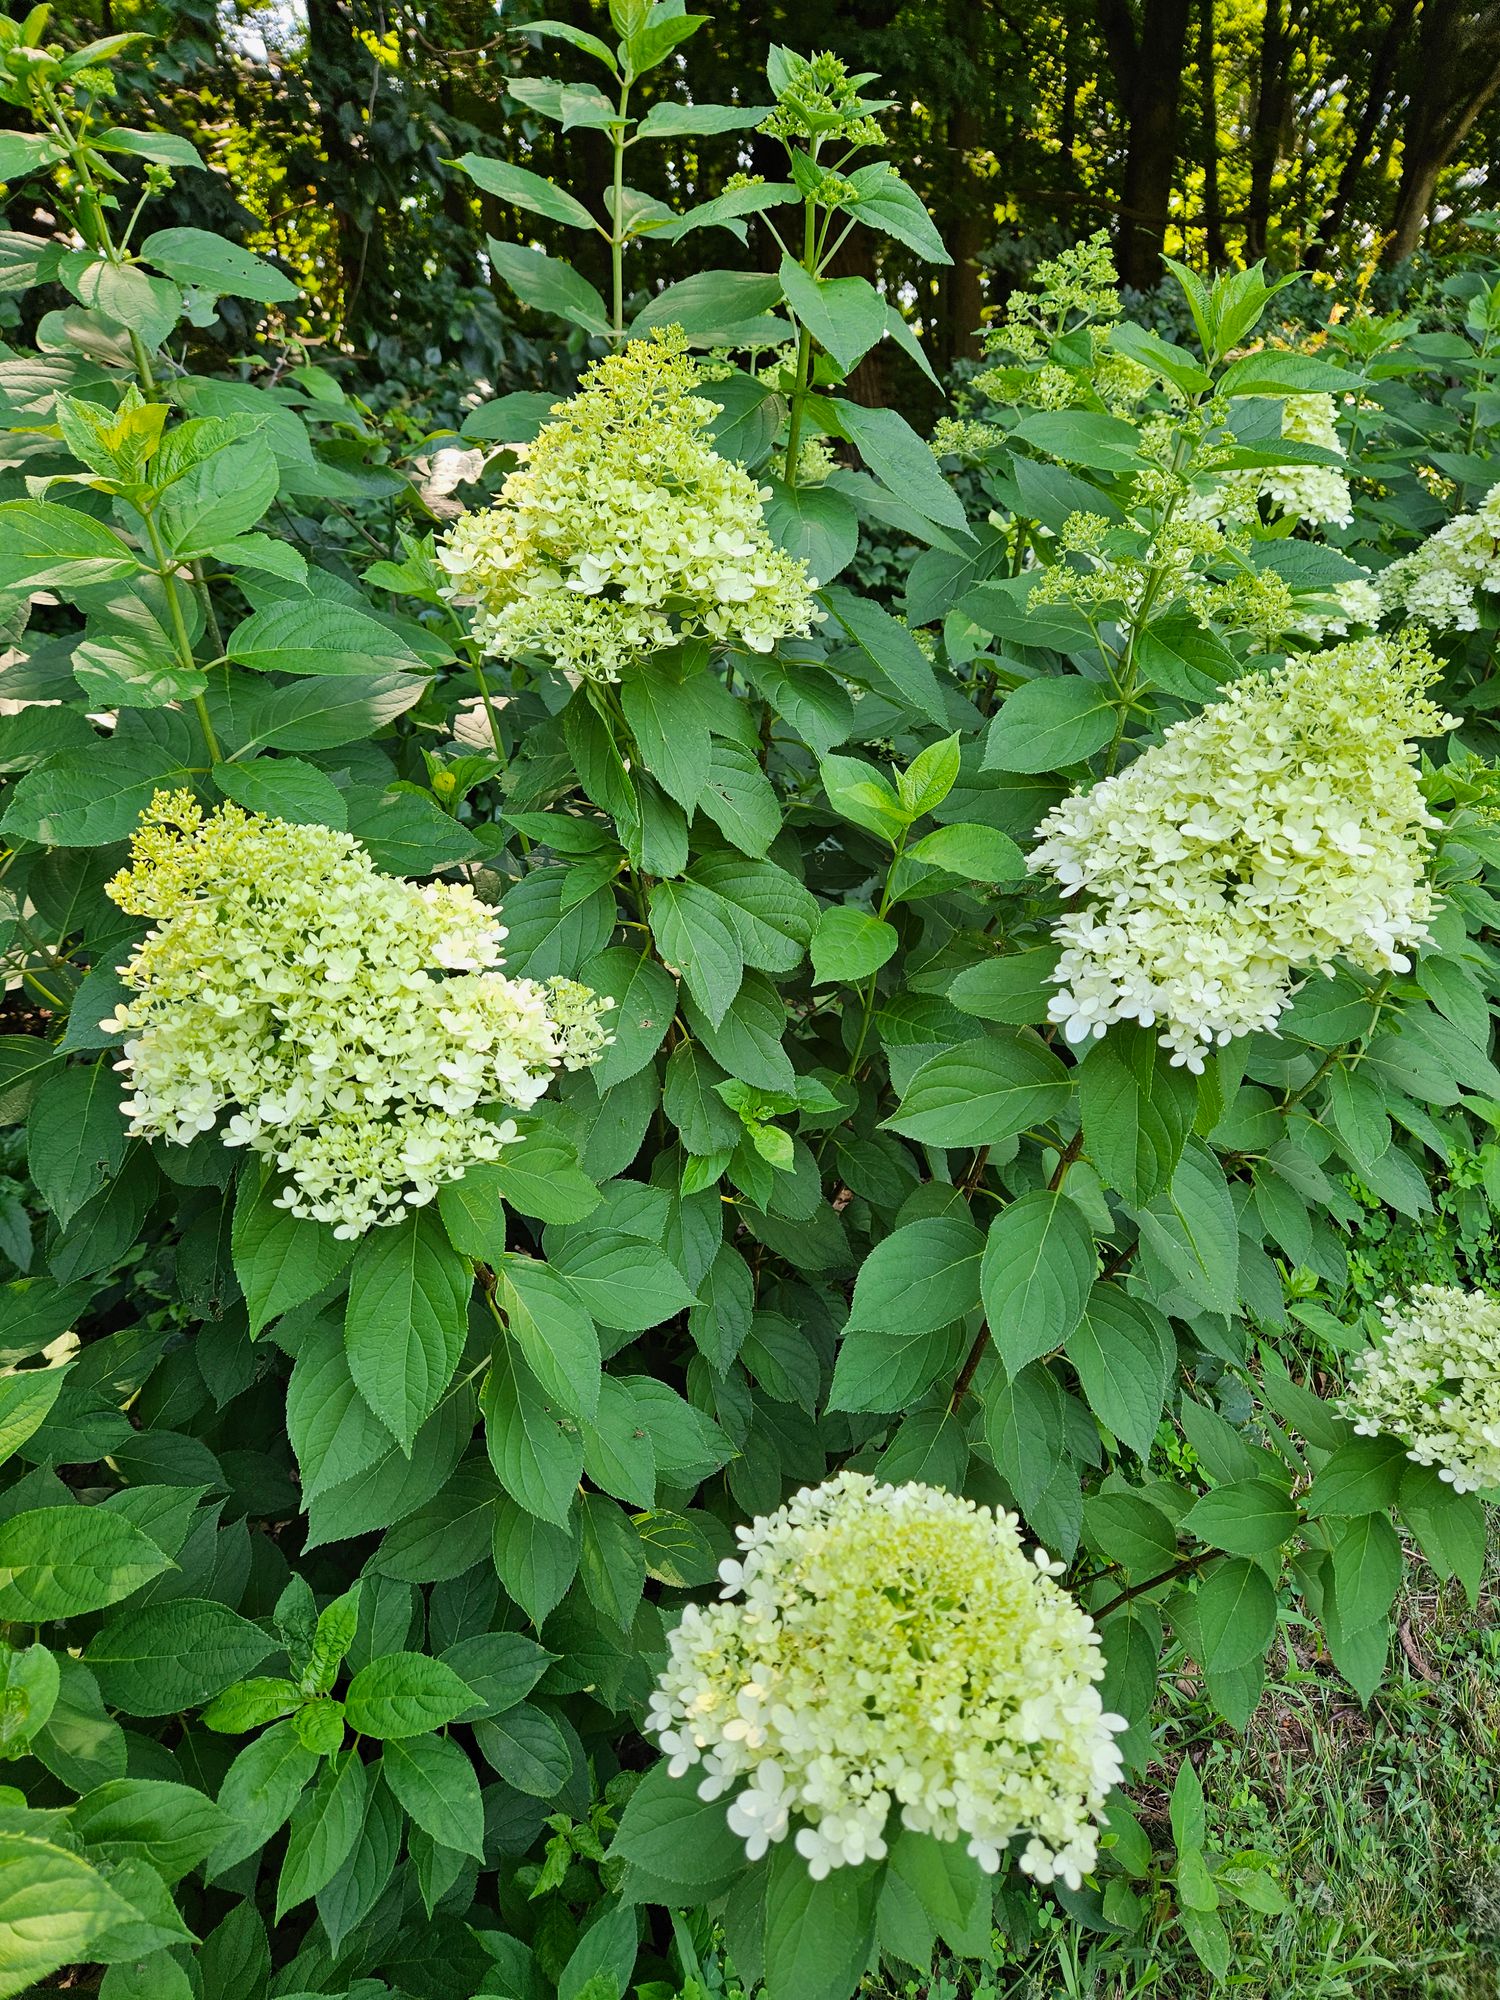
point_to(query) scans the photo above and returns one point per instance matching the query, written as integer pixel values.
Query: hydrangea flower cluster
(1280, 829)
(624, 528)
(1440, 581)
(1434, 1383)
(1314, 493)
(351, 1024)
(893, 1648)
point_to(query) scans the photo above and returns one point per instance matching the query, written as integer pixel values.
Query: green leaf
(405, 1694)
(982, 1092)
(435, 1782)
(30, 1681)
(1366, 1570)
(58, 1562)
(897, 456)
(849, 944)
(76, 1136)
(1235, 1607)
(667, 1834)
(669, 120)
(49, 547)
(325, 1828)
(406, 1321)
(537, 1456)
(740, 799)
(1082, 437)
(160, 1658)
(919, 1278)
(885, 202)
(279, 1259)
(1450, 1526)
(846, 316)
(976, 852)
(1248, 1517)
(25, 1400)
(549, 286)
(1129, 1530)
(283, 788)
(889, 658)
(1014, 990)
(91, 795)
(540, 1176)
(669, 720)
(622, 1281)
(718, 309)
(696, 939)
(1125, 1356)
(611, 1561)
(645, 1000)
(311, 635)
(523, 189)
(1192, 1227)
(1048, 724)
(1039, 1263)
(1023, 1427)
(554, 1332)
(53, 1908)
(748, 1041)
(526, 1747)
(212, 264)
(817, 1934)
(1363, 1475)
(1137, 1111)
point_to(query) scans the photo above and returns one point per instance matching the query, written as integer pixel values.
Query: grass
(1383, 1825)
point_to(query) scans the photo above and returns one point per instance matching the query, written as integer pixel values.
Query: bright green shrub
(394, 1367)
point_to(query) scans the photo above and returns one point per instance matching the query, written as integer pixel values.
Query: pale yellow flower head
(351, 1025)
(1278, 831)
(1439, 583)
(893, 1651)
(625, 529)
(1433, 1381)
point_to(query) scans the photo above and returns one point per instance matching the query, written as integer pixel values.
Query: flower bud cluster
(1278, 831)
(624, 529)
(352, 1025)
(1433, 1381)
(893, 1650)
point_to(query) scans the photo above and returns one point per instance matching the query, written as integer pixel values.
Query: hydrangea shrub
(685, 1212)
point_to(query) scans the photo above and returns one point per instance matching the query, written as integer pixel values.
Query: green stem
(804, 340)
(180, 636)
(616, 222)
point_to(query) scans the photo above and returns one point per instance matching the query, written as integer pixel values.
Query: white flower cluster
(1315, 493)
(1280, 829)
(624, 529)
(351, 1023)
(1434, 1383)
(893, 1647)
(1439, 582)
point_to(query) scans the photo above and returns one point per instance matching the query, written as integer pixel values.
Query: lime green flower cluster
(1281, 829)
(351, 1024)
(1440, 582)
(1433, 1381)
(624, 529)
(1318, 494)
(893, 1649)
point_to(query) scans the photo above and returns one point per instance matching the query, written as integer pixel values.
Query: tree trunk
(1147, 63)
(1382, 76)
(1267, 123)
(1215, 250)
(1457, 72)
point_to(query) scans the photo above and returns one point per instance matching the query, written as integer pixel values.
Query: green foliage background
(306, 1698)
